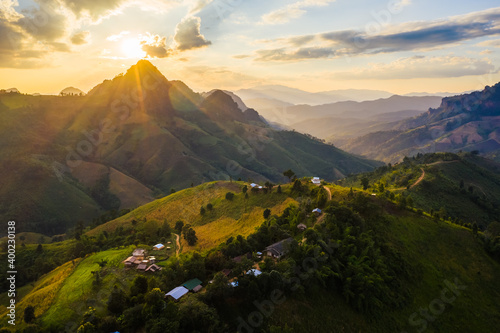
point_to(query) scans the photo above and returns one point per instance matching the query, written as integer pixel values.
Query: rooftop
(177, 293)
(191, 284)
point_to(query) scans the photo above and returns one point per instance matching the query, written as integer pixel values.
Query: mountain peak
(144, 68)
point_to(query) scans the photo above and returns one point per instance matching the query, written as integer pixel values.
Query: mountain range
(134, 137)
(468, 122)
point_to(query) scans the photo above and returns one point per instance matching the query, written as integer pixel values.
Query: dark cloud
(188, 36)
(415, 36)
(80, 38)
(157, 48)
(44, 23)
(299, 54)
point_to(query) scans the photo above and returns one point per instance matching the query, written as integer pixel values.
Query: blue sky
(316, 45)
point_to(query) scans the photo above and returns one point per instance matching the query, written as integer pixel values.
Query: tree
(244, 189)
(139, 285)
(165, 230)
(297, 186)
(202, 210)
(190, 236)
(179, 225)
(172, 190)
(381, 187)
(289, 173)
(474, 228)
(267, 213)
(87, 328)
(210, 206)
(279, 189)
(219, 289)
(29, 314)
(154, 303)
(116, 301)
(229, 196)
(269, 186)
(365, 182)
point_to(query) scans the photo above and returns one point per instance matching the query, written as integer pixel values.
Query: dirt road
(178, 245)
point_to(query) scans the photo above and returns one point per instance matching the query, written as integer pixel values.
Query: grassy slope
(437, 258)
(441, 185)
(438, 251)
(77, 293)
(228, 218)
(30, 238)
(40, 294)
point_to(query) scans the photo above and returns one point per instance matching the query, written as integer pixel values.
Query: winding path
(329, 193)
(419, 179)
(178, 245)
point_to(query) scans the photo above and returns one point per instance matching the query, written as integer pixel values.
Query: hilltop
(364, 264)
(134, 138)
(469, 122)
(464, 188)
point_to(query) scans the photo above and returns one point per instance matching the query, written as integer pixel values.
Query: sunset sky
(316, 45)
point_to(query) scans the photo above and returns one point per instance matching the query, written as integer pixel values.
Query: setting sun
(132, 48)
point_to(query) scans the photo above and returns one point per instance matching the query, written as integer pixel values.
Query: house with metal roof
(177, 293)
(254, 272)
(279, 249)
(158, 247)
(192, 284)
(317, 211)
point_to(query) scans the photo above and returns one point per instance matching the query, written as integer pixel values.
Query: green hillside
(363, 265)
(464, 188)
(112, 149)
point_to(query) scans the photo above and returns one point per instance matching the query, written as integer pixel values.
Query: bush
(229, 196)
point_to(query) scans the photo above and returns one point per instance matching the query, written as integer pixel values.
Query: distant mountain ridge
(465, 122)
(296, 96)
(143, 132)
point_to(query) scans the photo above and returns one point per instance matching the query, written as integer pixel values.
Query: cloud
(27, 39)
(299, 54)
(420, 67)
(45, 23)
(95, 9)
(188, 36)
(156, 47)
(493, 42)
(402, 37)
(292, 11)
(397, 6)
(241, 56)
(81, 38)
(115, 38)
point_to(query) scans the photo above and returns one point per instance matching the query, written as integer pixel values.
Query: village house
(254, 272)
(316, 211)
(130, 261)
(302, 227)
(177, 293)
(139, 253)
(316, 181)
(193, 285)
(279, 249)
(158, 247)
(153, 268)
